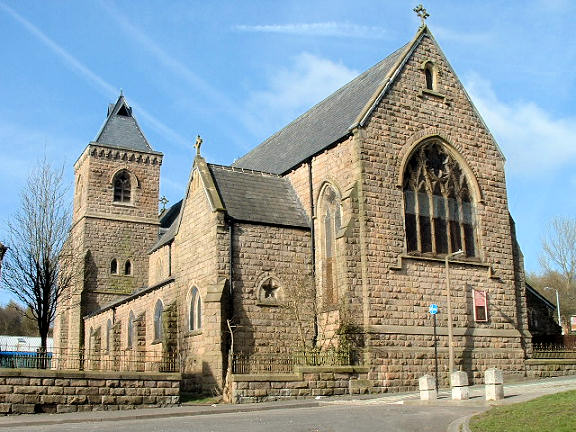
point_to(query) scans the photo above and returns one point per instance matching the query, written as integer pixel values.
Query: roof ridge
(244, 170)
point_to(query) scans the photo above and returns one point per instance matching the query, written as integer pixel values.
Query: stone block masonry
(47, 391)
(305, 382)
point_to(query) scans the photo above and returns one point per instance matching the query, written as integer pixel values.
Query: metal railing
(256, 363)
(549, 351)
(126, 360)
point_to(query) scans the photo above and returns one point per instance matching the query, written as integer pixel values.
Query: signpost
(433, 309)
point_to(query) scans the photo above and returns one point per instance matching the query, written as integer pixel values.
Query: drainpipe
(312, 243)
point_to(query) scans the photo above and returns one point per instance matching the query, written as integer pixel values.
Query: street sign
(433, 309)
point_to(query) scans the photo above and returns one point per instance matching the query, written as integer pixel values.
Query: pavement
(513, 393)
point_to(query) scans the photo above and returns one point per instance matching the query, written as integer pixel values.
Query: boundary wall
(29, 391)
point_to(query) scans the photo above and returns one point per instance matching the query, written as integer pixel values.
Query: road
(330, 418)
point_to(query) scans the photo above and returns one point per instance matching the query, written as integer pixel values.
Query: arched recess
(270, 291)
(439, 202)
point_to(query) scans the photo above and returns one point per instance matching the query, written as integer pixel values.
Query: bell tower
(115, 219)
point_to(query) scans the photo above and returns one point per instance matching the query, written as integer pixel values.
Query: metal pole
(435, 355)
(558, 309)
(449, 307)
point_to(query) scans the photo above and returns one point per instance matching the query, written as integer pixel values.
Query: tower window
(114, 266)
(128, 268)
(122, 187)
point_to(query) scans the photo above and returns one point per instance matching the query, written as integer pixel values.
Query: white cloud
(98, 82)
(291, 91)
(530, 137)
(319, 29)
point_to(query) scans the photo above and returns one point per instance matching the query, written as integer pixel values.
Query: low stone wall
(545, 368)
(27, 391)
(305, 382)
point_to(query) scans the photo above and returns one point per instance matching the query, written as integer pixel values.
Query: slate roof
(120, 130)
(324, 124)
(253, 196)
(168, 226)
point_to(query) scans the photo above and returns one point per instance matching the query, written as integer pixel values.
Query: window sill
(427, 92)
(157, 341)
(192, 333)
(121, 204)
(271, 303)
(474, 262)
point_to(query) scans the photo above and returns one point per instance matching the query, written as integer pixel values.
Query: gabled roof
(168, 226)
(254, 196)
(324, 124)
(120, 130)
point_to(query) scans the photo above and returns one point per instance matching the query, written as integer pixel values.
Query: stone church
(332, 236)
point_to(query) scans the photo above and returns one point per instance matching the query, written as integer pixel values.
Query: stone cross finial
(198, 144)
(163, 201)
(422, 13)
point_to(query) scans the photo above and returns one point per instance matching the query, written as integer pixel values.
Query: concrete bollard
(494, 384)
(459, 384)
(427, 385)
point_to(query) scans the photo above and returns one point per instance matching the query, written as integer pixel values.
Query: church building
(329, 240)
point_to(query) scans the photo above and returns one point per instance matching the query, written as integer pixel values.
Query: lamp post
(449, 307)
(557, 307)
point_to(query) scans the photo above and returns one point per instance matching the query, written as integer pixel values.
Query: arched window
(331, 221)
(438, 207)
(122, 187)
(128, 267)
(195, 317)
(429, 76)
(114, 266)
(108, 333)
(158, 330)
(130, 342)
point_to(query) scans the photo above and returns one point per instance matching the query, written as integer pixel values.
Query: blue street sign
(433, 309)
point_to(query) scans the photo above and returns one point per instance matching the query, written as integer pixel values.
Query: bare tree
(559, 256)
(39, 265)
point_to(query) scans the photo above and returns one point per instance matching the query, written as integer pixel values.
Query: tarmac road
(331, 418)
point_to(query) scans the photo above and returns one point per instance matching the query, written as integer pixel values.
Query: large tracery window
(331, 221)
(122, 187)
(438, 206)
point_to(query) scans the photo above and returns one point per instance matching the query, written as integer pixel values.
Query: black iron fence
(285, 362)
(549, 351)
(126, 360)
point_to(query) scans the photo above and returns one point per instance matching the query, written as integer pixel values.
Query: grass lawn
(553, 413)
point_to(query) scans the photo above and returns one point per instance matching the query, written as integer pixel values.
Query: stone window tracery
(331, 222)
(122, 187)
(195, 316)
(439, 211)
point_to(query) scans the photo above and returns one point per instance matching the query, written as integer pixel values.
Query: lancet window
(438, 206)
(331, 221)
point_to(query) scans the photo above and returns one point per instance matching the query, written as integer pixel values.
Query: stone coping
(299, 373)
(110, 375)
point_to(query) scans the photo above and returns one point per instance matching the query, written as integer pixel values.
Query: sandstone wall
(34, 391)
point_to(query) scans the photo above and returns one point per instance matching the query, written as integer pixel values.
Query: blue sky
(236, 72)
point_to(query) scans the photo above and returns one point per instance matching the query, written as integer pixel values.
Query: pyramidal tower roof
(121, 130)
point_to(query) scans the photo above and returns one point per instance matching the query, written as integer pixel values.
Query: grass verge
(553, 413)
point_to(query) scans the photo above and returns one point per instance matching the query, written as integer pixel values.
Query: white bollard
(427, 385)
(494, 384)
(459, 384)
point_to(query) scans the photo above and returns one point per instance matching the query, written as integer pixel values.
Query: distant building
(360, 199)
(541, 318)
